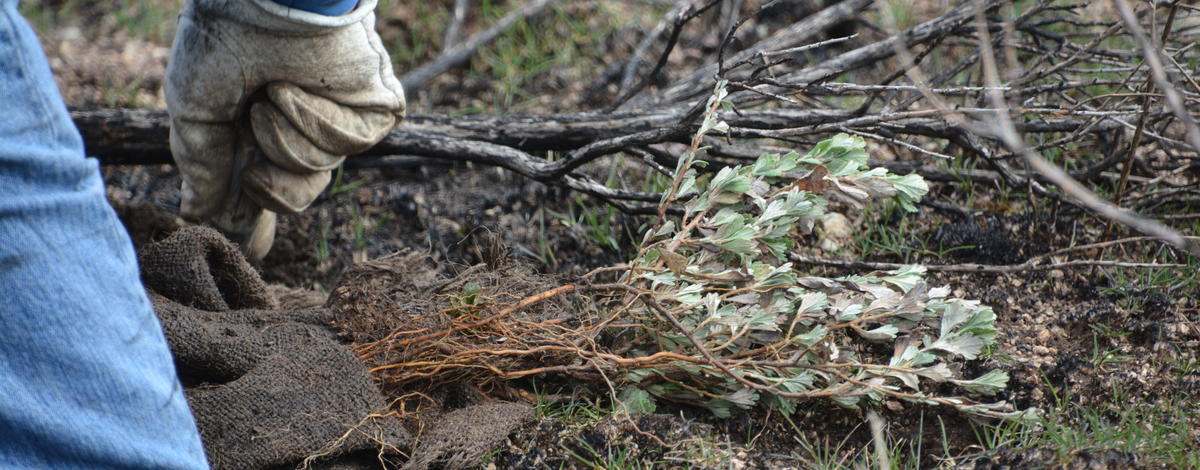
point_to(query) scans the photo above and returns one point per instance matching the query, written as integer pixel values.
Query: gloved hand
(265, 101)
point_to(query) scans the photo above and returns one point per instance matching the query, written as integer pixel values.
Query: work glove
(265, 102)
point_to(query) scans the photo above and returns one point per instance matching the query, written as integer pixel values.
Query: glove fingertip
(282, 191)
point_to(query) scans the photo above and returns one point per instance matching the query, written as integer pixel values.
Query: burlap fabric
(268, 387)
(460, 438)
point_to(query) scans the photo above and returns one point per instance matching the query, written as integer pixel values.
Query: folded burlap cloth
(267, 387)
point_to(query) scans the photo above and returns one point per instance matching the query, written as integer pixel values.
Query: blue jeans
(86, 379)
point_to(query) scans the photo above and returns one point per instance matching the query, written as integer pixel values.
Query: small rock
(835, 231)
(363, 195)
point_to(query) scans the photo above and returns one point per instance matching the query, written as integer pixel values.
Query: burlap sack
(460, 438)
(268, 387)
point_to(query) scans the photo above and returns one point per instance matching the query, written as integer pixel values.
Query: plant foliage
(744, 327)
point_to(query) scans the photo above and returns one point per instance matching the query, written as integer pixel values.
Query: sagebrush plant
(745, 327)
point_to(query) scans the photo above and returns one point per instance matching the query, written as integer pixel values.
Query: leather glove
(265, 101)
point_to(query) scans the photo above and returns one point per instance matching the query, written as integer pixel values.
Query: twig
(982, 268)
(462, 52)
(699, 81)
(1159, 74)
(456, 21)
(634, 62)
(1006, 131)
(684, 16)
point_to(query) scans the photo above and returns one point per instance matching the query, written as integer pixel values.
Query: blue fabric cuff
(321, 7)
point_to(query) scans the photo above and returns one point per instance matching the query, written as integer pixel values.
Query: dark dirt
(454, 213)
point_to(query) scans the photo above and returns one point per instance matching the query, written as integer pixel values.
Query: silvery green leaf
(881, 333)
(986, 384)
(813, 301)
(775, 164)
(982, 322)
(923, 358)
(778, 247)
(636, 401)
(847, 311)
(845, 401)
(744, 398)
(774, 209)
(667, 228)
(689, 295)
(850, 193)
(766, 165)
(636, 375)
(876, 187)
(842, 154)
(719, 408)
(666, 277)
(820, 283)
(688, 184)
(954, 313)
(781, 278)
(801, 382)
(745, 298)
(939, 292)
(910, 189)
(905, 350)
(906, 277)
(908, 378)
(762, 320)
(728, 180)
(780, 404)
(811, 337)
(937, 372)
(727, 216)
(967, 346)
(712, 302)
(698, 204)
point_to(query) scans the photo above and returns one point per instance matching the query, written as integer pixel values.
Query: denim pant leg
(86, 379)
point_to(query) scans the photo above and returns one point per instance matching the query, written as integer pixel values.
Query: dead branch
(450, 38)
(678, 17)
(797, 34)
(784, 104)
(1031, 265)
(460, 53)
(1004, 129)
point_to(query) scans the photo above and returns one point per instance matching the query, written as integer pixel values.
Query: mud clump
(974, 241)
